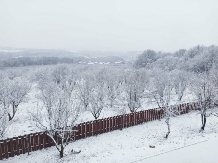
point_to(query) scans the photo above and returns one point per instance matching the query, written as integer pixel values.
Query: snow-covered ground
(22, 123)
(132, 144)
(187, 154)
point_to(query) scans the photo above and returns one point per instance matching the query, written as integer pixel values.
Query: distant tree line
(28, 61)
(196, 59)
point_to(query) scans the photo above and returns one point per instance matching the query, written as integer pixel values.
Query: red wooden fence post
(99, 126)
(23, 144)
(142, 117)
(131, 119)
(1, 151)
(12, 147)
(49, 141)
(41, 141)
(44, 141)
(126, 121)
(79, 131)
(135, 118)
(96, 127)
(152, 115)
(6, 148)
(146, 114)
(83, 130)
(16, 146)
(87, 129)
(28, 143)
(114, 123)
(93, 127)
(122, 121)
(34, 141)
(111, 124)
(117, 122)
(155, 112)
(104, 125)
(90, 128)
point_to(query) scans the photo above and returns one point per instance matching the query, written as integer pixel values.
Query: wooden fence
(36, 141)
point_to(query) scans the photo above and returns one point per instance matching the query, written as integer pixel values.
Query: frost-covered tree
(13, 73)
(84, 87)
(207, 59)
(161, 92)
(214, 81)
(19, 87)
(193, 52)
(4, 104)
(180, 53)
(160, 83)
(59, 73)
(3, 119)
(58, 114)
(199, 58)
(12, 92)
(41, 75)
(98, 94)
(180, 82)
(133, 92)
(114, 82)
(204, 90)
(97, 102)
(168, 63)
(147, 57)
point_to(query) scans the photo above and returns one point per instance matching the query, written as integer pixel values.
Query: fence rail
(37, 141)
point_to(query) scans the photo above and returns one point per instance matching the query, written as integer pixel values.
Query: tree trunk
(9, 117)
(111, 103)
(203, 119)
(14, 111)
(62, 151)
(168, 125)
(180, 98)
(96, 117)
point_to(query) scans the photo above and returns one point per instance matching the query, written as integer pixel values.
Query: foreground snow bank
(132, 144)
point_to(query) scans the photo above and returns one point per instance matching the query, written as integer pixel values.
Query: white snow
(184, 145)
(187, 154)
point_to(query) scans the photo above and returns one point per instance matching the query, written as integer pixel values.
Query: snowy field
(132, 144)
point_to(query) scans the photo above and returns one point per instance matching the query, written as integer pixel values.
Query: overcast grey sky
(108, 25)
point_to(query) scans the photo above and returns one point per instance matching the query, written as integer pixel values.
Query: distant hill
(12, 57)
